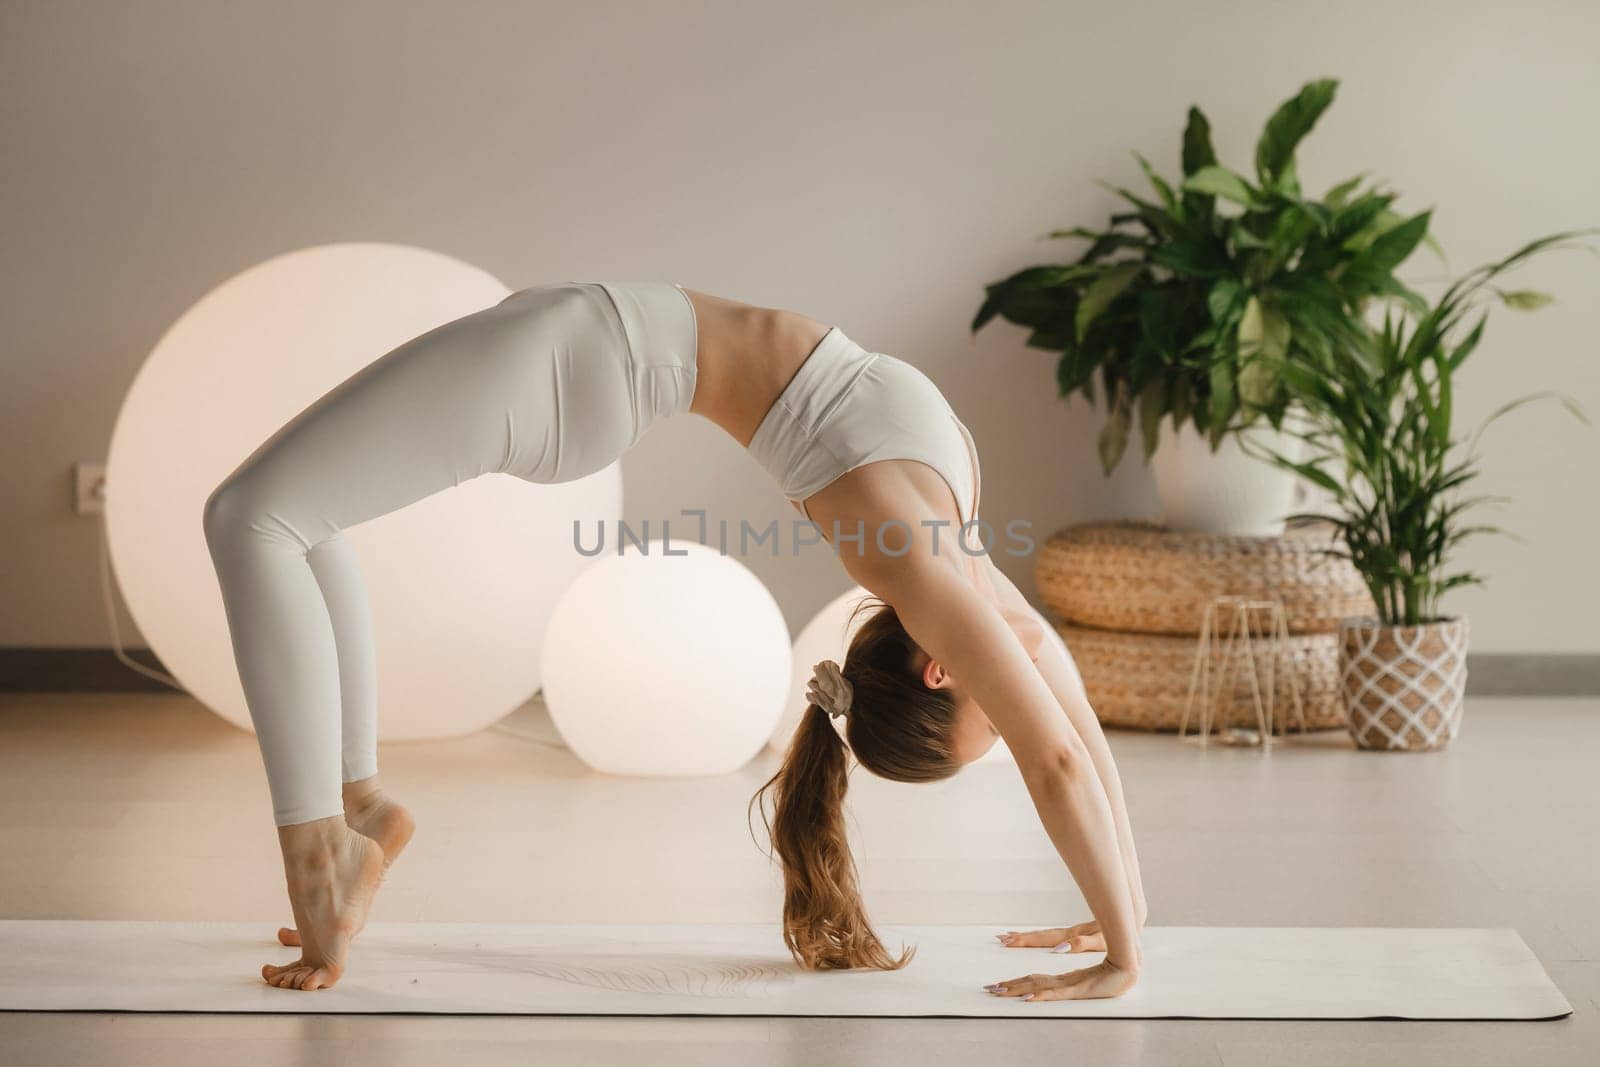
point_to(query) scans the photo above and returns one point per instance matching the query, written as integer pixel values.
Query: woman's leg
(368, 808)
(484, 393)
(337, 570)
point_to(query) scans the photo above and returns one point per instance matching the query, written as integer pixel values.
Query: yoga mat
(521, 969)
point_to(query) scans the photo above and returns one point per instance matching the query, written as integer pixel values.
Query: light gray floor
(148, 807)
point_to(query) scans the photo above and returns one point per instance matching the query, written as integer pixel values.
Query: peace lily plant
(1190, 304)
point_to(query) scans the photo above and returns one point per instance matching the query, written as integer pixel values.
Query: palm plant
(1377, 420)
(1191, 304)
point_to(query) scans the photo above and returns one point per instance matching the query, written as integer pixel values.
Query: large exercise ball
(666, 665)
(827, 636)
(462, 582)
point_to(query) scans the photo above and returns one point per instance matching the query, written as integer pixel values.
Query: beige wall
(870, 163)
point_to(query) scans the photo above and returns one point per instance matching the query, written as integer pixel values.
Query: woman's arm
(1060, 673)
(966, 633)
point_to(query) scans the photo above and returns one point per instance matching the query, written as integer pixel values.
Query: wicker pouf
(1141, 681)
(1130, 597)
(1144, 579)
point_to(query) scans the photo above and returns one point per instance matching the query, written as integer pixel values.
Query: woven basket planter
(1141, 681)
(1403, 685)
(1145, 579)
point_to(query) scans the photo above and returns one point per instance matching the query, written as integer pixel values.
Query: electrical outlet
(89, 487)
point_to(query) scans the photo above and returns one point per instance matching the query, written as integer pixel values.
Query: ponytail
(824, 921)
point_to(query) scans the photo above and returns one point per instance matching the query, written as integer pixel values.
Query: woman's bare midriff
(745, 356)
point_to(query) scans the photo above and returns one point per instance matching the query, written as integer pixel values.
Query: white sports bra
(847, 407)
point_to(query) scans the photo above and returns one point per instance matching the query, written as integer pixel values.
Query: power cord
(522, 735)
(542, 742)
(109, 599)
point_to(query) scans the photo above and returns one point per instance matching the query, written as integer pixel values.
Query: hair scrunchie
(828, 689)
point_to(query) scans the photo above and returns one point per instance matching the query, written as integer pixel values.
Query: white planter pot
(1227, 491)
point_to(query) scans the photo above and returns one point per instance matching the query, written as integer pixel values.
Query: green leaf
(1287, 181)
(1039, 298)
(1526, 299)
(1159, 223)
(1049, 341)
(1386, 221)
(1288, 126)
(1026, 297)
(1350, 222)
(1100, 243)
(992, 302)
(1459, 354)
(1197, 150)
(1102, 292)
(1224, 400)
(1114, 434)
(1169, 200)
(1074, 372)
(1223, 299)
(1512, 405)
(1263, 343)
(1190, 258)
(1152, 405)
(1108, 243)
(1289, 233)
(1336, 196)
(1412, 299)
(1315, 474)
(1307, 384)
(1389, 249)
(1442, 413)
(1158, 323)
(1242, 238)
(1220, 181)
(1320, 214)
(1435, 247)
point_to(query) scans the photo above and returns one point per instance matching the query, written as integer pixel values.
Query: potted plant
(1190, 305)
(1377, 428)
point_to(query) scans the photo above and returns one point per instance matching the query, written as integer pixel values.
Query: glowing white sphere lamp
(666, 665)
(462, 583)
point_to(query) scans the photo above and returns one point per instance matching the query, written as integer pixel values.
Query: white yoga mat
(469, 968)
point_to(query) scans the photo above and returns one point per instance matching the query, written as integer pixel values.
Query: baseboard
(97, 670)
(1515, 674)
(76, 670)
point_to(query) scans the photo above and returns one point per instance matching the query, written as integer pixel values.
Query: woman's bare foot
(333, 873)
(372, 813)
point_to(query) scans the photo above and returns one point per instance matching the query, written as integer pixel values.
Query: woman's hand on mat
(1085, 937)
(1091, 983)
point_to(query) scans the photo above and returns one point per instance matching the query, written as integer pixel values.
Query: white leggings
(553, 383)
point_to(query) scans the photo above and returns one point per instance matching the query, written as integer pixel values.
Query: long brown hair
(898, 729)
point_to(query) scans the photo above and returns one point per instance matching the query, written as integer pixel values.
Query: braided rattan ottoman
(1128, 599)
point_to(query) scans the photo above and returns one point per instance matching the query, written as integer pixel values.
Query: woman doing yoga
(556, 382)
